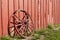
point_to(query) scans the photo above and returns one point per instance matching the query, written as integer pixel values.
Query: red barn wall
(43, 12)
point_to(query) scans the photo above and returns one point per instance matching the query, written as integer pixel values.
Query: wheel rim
(23, 27)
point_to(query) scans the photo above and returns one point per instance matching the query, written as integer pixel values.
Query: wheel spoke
(12, 22)
(16, 17)
(12, 31)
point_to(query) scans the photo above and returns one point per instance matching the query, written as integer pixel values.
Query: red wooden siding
(57, 12)
(0, 20)
(43, 12)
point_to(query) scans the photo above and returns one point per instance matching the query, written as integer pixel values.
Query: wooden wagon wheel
(23, 27)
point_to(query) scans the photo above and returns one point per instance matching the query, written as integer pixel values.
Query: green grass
(45, 34)
(51, 33)
(11, 38)
(6, 38)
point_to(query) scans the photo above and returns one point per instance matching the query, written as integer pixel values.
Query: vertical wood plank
(25, 5)
(33, 13)
(10, 7)
(42, 7)
(16, 4)
(58, 12)
(21, 7)
(5, 17)
(51, 12)
(45, 13)
(0, 19)
(39, 6)
(54, 14)
(21, 4)
(37, 15)
(29, 7)
(53, 9)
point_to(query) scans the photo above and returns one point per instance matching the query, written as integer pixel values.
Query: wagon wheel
(23, 27)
